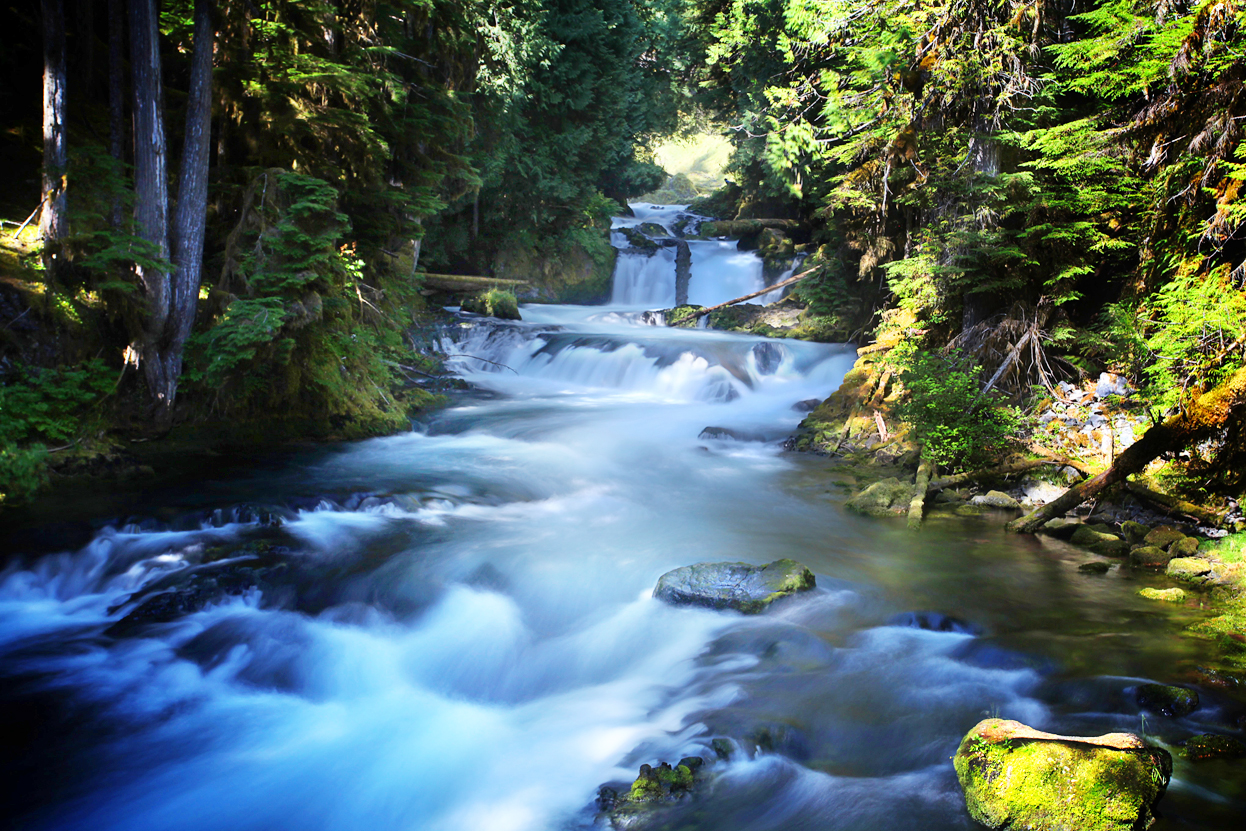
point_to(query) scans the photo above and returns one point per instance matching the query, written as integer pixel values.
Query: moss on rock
(1016, 777)
(1167, 699)
(1167, 595)
(888, 497)
(740, 586)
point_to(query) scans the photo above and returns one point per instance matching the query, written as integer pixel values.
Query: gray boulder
(740, 586)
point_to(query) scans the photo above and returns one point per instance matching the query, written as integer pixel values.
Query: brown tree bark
(151, 208)
(171, 297)
(55, 148)
(190, 217)
(116, 95)
(1204, 416)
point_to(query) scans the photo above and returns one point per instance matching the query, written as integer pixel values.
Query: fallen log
(922, 485)
(1176, 505)
(1205, 416)
(744, 227)
(789, 281)
(466, 282)
(990, 472)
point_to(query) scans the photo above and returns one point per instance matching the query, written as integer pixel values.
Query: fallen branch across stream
(991, 472)
(789, 281)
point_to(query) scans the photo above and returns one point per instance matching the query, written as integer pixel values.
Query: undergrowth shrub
(957, 427)
(40, 406)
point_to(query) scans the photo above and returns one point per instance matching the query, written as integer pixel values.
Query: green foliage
(494, 303)
(48, 405)
(23, 472)
(956, 426)
(38, 406)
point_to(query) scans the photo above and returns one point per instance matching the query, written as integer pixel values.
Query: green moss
(497, 303)
(1045, 784)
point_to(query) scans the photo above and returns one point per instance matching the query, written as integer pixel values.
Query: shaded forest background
(967, 176)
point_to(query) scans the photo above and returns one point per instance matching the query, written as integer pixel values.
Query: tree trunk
(190, 217)
(116, 96)
(151, 209)
(55, 149)
(1206, 415)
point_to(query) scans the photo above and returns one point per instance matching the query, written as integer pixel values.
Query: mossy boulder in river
(1015, 776)
(1167, 700)
(1210, 746)
(638, 807)
(885, 498)
(740, 586)
(1193, 569)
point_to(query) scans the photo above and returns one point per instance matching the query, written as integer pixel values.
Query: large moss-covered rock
(1098, 540)
(1149, 556)
(1163, 536)
(887, 497)
(494, 303)
(1184, 547)
(740, 586)
(1016, 777)
(996, 499)
(1192, 569)
(1135, 532)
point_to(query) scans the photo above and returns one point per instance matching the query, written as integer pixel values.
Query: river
(458, 633)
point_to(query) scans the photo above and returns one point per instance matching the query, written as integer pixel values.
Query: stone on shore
(1163, 536)
(1016, 777)
(1184, 547)
(1192, 569)
(996, 499)
(1135, 532)
(740, 586)
(1149, 556)
(1061, 527)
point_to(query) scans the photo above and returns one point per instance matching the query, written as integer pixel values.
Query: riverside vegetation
(1030, 213)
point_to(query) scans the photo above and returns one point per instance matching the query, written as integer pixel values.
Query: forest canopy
(974, 168)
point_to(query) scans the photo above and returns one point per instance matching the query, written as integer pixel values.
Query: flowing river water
(459, 633)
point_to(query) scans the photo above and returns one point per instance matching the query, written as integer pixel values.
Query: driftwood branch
(789, 281)
(991, 472)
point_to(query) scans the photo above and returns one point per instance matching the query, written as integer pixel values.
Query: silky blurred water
(464, 637)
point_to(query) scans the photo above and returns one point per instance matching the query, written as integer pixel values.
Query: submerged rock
(729, 434)
(1098, 567)
(1016, 777)
(740, 586)
(1061, 527)
(884, 498)
(1167, 699)
(1210, 746)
